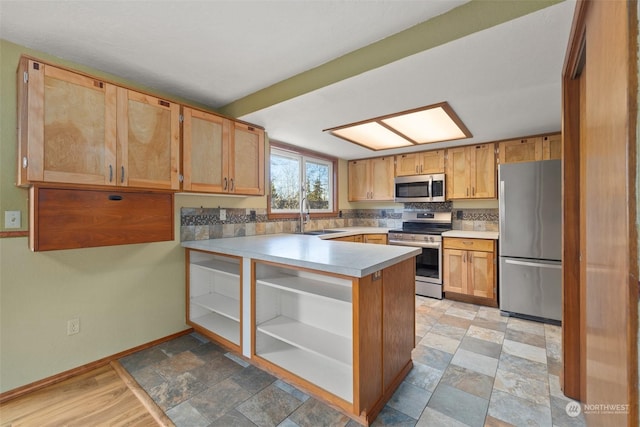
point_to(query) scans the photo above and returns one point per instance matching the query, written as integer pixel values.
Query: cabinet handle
(473, 191)
(224, 187)
(110, 173)
(470, 258)
(416, 168)
(464, 257)
(231, 187)
(467, 242)
(421, 168)
(467, 191)
(121, 174)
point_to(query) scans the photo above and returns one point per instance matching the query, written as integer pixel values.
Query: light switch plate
(11, 219)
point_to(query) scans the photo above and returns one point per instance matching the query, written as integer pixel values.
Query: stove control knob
(431, 239)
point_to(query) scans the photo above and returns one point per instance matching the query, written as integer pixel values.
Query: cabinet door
(205, 151)
(407, 164)
(520, 150)
(358, 180)
(481, 274)
(455, 271)
(246, 162)
(67, 127)
(382, 179)
(457, 183)
(483, 171)
(148, 141)
(432, 161)
(377, 239)
(552, 147)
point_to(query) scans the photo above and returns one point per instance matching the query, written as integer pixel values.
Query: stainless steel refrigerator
(530, 275)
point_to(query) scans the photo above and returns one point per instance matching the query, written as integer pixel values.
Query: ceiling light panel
(433, 123)
(426, 126)
(372, 135)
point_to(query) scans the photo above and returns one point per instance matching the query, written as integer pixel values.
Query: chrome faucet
(304, 218)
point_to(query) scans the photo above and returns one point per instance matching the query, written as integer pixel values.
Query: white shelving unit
(214, 294)
(304, 325)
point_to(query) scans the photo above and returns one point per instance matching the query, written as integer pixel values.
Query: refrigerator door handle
(503, 216)
(533, 264)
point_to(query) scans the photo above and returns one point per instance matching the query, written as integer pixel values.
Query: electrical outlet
(223, 215)
(73, 326)
(11, 219)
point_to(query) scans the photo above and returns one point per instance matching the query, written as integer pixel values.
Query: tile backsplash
(475, 219)
(206, 223)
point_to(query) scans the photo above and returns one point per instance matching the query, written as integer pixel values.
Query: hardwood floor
(104, 396)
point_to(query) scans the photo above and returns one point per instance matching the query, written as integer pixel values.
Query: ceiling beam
(471, 17)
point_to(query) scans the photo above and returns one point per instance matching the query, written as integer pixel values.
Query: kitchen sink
(320, 232)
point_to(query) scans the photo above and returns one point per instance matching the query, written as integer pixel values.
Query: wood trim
(37, 385)
(472, 299)
(574, 56)
(572, 372)
(8, 234)
(154, 410)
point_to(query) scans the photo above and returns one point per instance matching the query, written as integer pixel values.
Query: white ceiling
(503, 82)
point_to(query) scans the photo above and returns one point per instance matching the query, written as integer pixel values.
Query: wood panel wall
(603, 45)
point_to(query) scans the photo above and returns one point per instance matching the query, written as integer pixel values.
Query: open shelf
(328, 374)
(220, 325)
(307, 286)
(221, 304)
(313, 340)
(219, 266)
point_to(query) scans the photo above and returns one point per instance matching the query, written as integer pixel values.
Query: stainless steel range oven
(424, 230)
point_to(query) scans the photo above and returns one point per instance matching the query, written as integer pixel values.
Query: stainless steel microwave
(420, 188)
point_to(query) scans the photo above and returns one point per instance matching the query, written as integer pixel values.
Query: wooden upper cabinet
(66, 126)
(471, 172)
(424, 162)
(221, 156)
(552, 147)
(530, 149)
(246, 162)
(520, 150)
(371, 179)
(148, 141)
(79, 130)
(483, 171)
(205, 151)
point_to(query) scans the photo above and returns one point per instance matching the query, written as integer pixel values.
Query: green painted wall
(125, 295)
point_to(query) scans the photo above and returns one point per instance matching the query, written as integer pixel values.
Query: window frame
(304, 154)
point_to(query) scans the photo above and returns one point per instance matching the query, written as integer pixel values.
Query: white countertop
(468, 234)
(349, 259)
(351, 231)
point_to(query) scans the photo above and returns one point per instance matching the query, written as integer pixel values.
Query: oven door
(428, 267)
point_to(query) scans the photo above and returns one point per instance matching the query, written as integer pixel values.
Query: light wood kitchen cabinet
(471, 172)
(221, 156)
(530, 149)
(357, 239)
(425, 162)
(66, 126)
(79, 130)
(470, 270)
(148, 153)
(520, 150)
(377, 239)
(552, 147)
(371, 179)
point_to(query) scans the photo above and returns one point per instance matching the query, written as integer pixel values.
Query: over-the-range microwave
(420, 188)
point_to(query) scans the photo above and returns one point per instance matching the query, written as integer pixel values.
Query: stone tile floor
(472, 367)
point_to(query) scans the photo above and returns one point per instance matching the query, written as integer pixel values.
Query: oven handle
(434, 245)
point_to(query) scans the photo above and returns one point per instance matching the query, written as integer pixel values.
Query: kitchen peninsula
(334, 318)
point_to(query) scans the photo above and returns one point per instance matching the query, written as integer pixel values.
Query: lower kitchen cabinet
(356, 239)
(378, 239)
(214, 296)
(470, 270)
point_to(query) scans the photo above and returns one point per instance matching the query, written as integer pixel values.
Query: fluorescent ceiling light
(433, 123)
